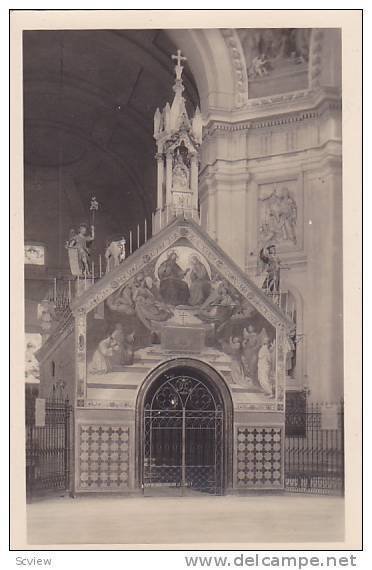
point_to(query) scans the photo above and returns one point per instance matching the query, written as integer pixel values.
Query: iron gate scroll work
(183, 437)
(48, 447)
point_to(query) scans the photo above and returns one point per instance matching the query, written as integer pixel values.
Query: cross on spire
(179, 58)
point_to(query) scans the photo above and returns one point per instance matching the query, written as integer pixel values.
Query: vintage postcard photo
(186, 219)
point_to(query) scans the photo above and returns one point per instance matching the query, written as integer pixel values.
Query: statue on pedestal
(78, 248)
(78, 245)
(271, 264)
(115, 253)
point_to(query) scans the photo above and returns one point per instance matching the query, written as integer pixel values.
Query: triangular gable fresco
(188, 233)
(180, 293)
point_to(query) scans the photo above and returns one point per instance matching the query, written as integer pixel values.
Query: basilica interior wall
(241, 166)
(265, 125)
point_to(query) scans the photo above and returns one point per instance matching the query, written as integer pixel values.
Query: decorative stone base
(103, 458)
(259, 457)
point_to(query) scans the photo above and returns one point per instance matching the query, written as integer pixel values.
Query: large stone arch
(215, 59)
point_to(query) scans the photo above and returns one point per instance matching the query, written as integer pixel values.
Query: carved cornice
(277, 111)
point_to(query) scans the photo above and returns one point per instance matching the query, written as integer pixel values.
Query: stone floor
(187, 520)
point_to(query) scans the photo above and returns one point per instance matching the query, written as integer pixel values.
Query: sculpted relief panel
(279, 214)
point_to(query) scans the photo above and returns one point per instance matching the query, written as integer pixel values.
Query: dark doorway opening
(183, 435)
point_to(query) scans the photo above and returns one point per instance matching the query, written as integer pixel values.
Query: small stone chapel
(174, 360)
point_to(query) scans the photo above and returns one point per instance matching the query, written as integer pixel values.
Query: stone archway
(184, 429)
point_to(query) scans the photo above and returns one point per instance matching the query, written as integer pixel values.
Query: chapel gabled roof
(202, 242)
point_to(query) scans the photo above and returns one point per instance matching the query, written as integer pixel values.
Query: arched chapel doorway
(185, 416)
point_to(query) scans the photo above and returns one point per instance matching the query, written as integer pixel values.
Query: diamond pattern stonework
(103, 457)
(259, 457)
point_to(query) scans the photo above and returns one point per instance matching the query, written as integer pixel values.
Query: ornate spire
(178, 138)
(174, 117)
(179, 68)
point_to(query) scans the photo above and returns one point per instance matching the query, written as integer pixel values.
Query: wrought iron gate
(314, 447)
(183, 437)
(48, 447)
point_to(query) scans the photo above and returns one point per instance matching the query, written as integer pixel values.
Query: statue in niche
(280, 216)
(173, 289)
(180, 175)
(200, 286)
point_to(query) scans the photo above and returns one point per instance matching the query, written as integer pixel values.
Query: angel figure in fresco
(138, 298)
(233, 347)
(122, 300)
(250, 347)
(125, 343)
(173, 289)
(200, 286)
(265, 366)
(128, 349)
(219, 307)
(260, 66)
(117, 336)
(102, 357)
(146, 306)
